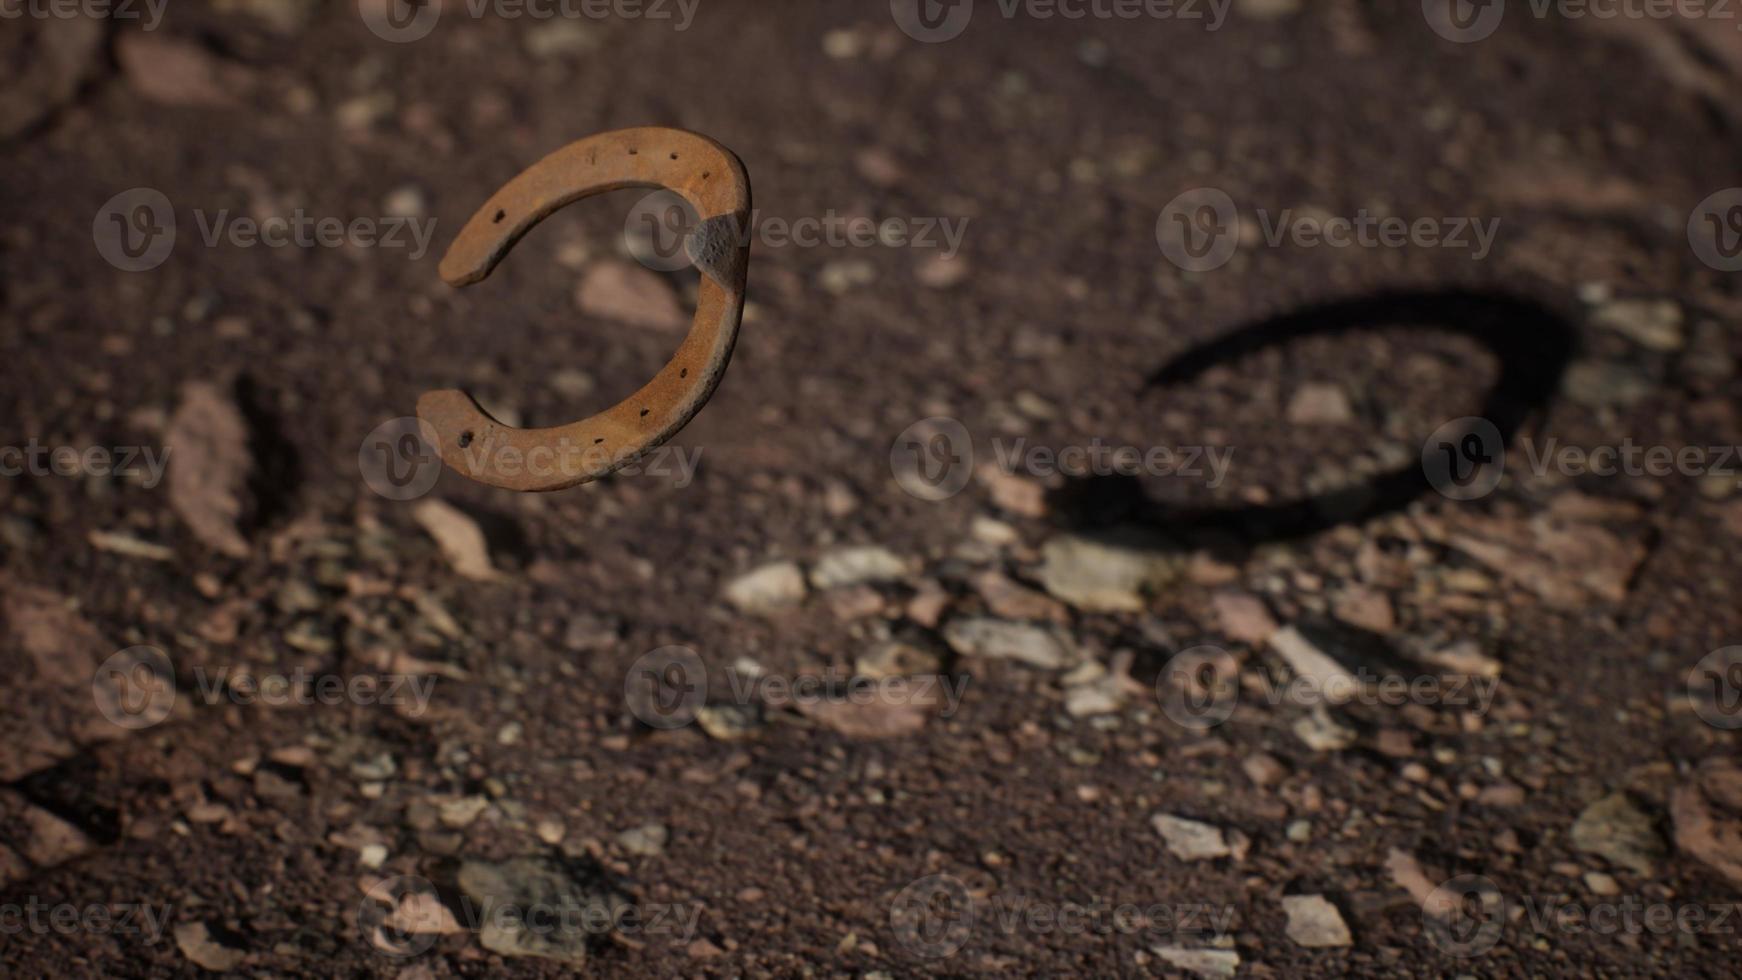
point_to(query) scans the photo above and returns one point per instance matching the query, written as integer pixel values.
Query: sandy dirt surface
(1232, 490)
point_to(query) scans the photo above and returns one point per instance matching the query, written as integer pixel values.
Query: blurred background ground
(1595, 776)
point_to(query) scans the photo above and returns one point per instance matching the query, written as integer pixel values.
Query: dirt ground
(1292, 698)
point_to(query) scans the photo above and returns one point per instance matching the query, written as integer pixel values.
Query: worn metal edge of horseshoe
(714, 182)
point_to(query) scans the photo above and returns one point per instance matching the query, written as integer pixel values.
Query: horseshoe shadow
(1532, 344)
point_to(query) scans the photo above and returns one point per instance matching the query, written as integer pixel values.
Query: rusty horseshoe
(712, 180)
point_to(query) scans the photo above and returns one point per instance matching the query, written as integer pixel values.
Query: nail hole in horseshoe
(633, 151)
(674, 156)
(684, 373)
(499, 216)
(644, 412)
(598, 440)
(465, 438)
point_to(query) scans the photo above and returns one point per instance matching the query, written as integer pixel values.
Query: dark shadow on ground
(1532, 344)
